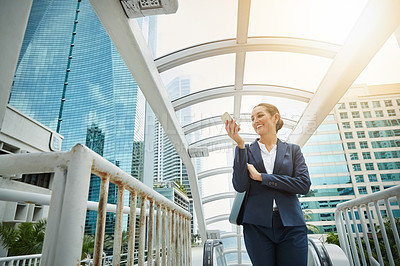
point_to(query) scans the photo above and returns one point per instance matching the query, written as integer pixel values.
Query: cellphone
(226, 117)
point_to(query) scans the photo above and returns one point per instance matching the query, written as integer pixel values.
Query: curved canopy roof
(301, 56)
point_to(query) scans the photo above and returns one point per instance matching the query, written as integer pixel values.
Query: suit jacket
(290, 177)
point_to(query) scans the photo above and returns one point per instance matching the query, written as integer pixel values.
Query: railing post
(53, 220)
(101, 220)
(132, 227)
(142, 232)
(384, 235)
(393, 225)
(150, 234)
(376, 242)
(164, 236)
(170, 255)
(118, 227)
(158, 234)
(365, 230)
(73, 214)
(360, 246)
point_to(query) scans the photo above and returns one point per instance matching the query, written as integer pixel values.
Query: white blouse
(269, 161)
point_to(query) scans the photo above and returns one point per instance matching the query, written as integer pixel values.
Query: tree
(25, 239)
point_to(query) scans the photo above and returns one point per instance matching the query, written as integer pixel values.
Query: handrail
(67, 212)
(358, 231)
(26, 260)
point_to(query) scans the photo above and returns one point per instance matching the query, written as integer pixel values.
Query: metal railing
(27, 260)
(354, 231)
(66, 221)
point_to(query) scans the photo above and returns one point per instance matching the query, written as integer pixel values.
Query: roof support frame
(128, 39)
(375, 25)
(247, 89)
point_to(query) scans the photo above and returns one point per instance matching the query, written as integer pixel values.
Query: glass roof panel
(193, 22)
(329, 21)
(289, 109)
(203, 74)
(298, 71)
(209, 108)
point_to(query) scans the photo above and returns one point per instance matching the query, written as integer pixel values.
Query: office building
(354, 152)
(71, 78)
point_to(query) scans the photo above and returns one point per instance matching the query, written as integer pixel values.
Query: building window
(348, 135)
(343, 115)
(346, 124)
(362, 190)
(354, 156)
(398, 102)
(358, 124)
(369, 166)
(379, 113)
(376, 104)
(341, 106)
(351, 145)
(388, 103)
(367, 114)
(364, 105)
(353, 104)
(355, 114)
(359, 178)
(366, 155)
(363, 145)
(372, 178)
(375, 189)
(360, 134)
(391, 112)
(356, 167)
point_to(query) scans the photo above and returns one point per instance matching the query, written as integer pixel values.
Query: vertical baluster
(173, 238)
(178, 241)
(132, 228)
(164, 236)
(360, 246)
(170, 237)
(142, 228)
(118, 227)
(384, 235)
(158, 234)
(189, 240)
(376, 242)
(101, 219)
(351, 239)
(150, 234)
(365, 233)
(393, 225)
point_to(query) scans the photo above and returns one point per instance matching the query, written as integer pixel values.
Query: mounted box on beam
(144, 8)
(195, 152)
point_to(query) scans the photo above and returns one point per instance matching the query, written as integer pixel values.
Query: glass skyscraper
(354, 152)
(71, 78)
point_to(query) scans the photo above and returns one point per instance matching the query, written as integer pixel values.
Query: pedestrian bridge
(238, 57)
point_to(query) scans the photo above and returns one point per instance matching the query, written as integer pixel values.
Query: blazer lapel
(256, 153)
(280, 154)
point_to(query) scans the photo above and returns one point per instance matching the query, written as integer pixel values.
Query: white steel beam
(220, 196)
(242, 30)
(380, 18)
(215, 171)
(253, 44)
(128, 39)
(247, 89)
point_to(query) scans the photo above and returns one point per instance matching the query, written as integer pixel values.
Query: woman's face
(262, 121)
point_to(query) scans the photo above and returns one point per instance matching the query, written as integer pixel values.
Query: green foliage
(181, 187)
(25, 239)
(333, 238)
(310, 227)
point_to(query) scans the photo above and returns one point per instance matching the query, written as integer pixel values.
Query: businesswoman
(272, 172)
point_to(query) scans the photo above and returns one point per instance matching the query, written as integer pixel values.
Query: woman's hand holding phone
(232, 128)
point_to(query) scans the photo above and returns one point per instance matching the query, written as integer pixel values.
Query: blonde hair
(272, 110)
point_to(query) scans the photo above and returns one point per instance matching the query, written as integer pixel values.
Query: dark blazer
(290, 177)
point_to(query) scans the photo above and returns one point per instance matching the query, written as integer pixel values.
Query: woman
(272, 172)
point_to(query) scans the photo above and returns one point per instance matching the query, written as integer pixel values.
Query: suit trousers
(279, 245)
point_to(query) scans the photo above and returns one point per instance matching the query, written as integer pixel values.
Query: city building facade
(354, 152)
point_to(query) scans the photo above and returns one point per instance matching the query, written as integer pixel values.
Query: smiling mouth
(259, 126)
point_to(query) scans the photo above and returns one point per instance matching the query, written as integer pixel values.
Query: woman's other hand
(253, 173)
(233, 132)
